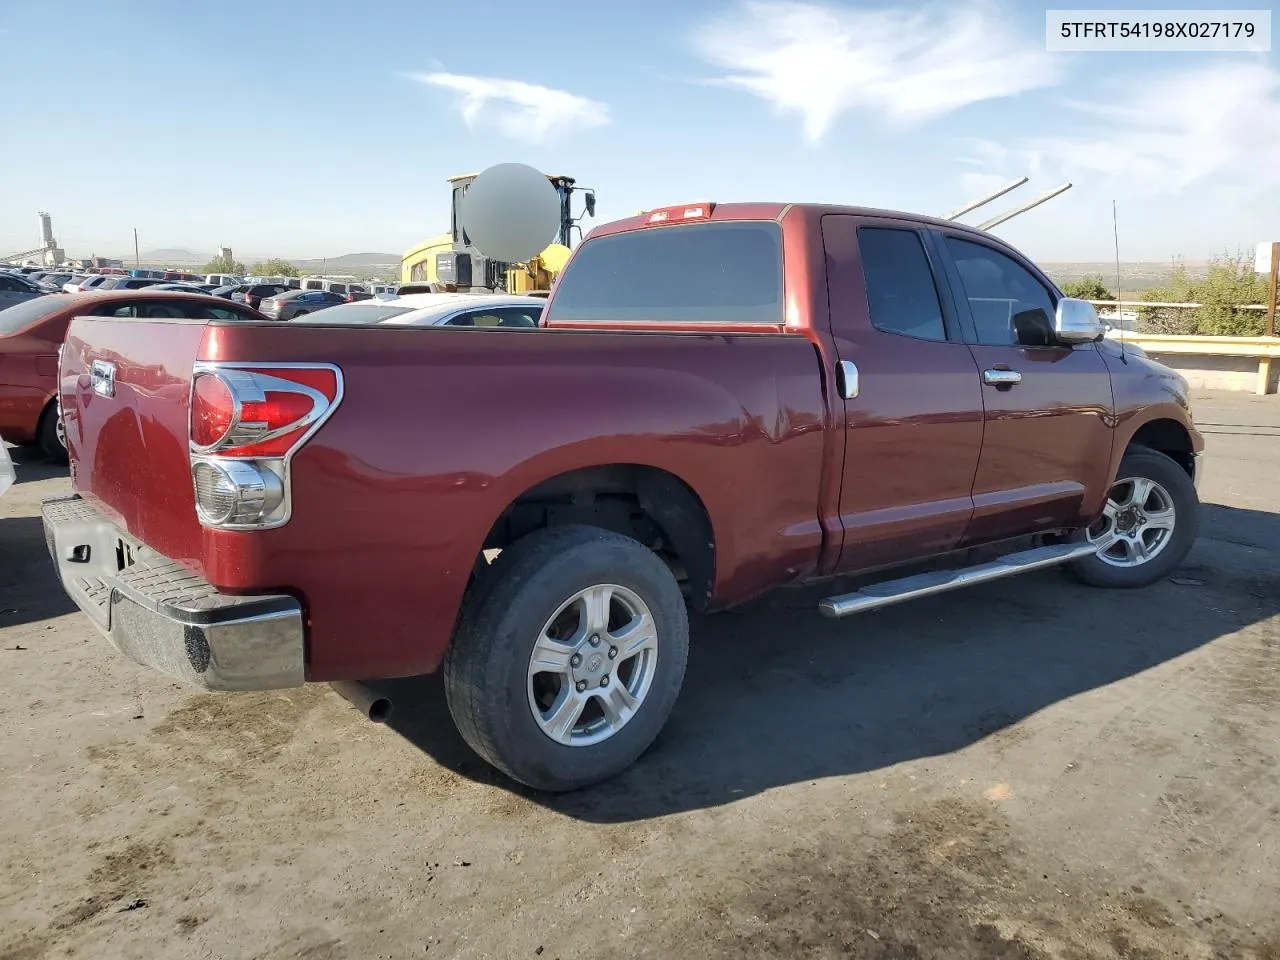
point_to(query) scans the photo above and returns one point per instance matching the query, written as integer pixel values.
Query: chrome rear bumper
(159, 614)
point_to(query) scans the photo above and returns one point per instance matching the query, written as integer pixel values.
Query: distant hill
(171, 255)
(1133, 276)
(355, 264)
(350, 263)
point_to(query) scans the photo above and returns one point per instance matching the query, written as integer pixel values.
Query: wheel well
(644, 503)
(1170, 438)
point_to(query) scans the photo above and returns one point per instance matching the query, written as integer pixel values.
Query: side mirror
(591, 204)
(1076, 321)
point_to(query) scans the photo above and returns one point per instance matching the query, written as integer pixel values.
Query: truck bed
(403, 483)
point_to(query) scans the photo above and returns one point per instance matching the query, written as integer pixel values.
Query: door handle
(847, 379)
(1001, 378)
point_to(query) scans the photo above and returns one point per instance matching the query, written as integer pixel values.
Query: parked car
(127, 283)
(52, 282)
(298, 303)
(225, 292)
(7, 475)
(809, 392)
(251, 294)
(15, 288)
(32, 332)
(179, 287)
(222, 280)
(439, 310)
(343, 288)
(93, 281)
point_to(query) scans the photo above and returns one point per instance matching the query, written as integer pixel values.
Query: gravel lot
(1028, 769)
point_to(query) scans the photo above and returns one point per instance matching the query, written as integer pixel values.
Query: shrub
(1230, 284)
(1087, 288)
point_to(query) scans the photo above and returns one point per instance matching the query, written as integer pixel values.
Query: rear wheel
(1147, 527)
(568, 657)
(300, 313)
(49, 435)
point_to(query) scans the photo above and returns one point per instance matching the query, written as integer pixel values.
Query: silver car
(439, 310)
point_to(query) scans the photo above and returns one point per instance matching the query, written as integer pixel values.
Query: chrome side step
(939, 581)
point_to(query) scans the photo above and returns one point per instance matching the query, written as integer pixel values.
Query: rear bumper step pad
(159, 614)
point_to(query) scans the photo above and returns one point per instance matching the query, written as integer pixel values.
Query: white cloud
(909, 63)
(522, 111)
(1215, 125)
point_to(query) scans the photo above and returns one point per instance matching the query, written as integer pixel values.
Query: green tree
(221, 264)
(1230, 284)
(274, 268)
(1087, 288)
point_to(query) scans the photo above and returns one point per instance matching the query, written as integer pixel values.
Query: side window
(463, 320)
(161, 311)
(201, 312)
(116, 309)
(8, 286)
(901, 293)
(1009, 305)
(518, 317)
(338, 288)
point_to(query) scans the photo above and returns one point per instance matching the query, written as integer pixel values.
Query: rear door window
(901, 294)
(727, 272)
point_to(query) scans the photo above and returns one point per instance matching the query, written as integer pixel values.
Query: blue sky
(331, 131)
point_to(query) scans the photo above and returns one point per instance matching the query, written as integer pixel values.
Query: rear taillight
(247, 421)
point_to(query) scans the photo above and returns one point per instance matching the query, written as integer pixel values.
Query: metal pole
(983, 201)
(1031, 204)
(1270, 330)
(137, 260)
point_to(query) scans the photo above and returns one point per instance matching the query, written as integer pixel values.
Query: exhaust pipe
(373, 705)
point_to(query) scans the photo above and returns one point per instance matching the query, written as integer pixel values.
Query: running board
(939, 581)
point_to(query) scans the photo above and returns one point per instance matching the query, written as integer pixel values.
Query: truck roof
(776, 211)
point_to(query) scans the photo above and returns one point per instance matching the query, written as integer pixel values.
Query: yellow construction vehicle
(451, 259)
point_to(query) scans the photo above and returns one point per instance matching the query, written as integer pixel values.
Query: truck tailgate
(125, 392)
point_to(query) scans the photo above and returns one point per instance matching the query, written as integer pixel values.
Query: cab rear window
(728, 272)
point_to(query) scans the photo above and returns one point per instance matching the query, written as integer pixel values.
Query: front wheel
(1147, 527)
(568, 658)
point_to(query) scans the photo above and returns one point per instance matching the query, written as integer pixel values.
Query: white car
(439, 310)
(7, 476)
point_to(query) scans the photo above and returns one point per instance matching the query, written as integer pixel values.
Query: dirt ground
(1028, 769)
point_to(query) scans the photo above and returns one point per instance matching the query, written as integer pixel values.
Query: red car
(31, 333)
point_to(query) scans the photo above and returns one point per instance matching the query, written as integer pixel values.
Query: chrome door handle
(1001, 378)
(847, 379)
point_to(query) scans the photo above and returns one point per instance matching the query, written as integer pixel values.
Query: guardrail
(1264, 349)
(1157, 303)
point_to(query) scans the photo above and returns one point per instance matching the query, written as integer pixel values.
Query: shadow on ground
(33, 465)
(776, 695)
(29, 587)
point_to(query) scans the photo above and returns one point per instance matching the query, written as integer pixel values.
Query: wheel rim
(592, 665)
(1136, 525)
(60, 432)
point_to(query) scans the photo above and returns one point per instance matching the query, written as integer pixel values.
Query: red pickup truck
(721, 400)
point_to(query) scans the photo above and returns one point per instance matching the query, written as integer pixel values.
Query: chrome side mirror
(1076, 321)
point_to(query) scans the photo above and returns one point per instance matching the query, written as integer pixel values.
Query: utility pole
(137, 259)
(1270, 331)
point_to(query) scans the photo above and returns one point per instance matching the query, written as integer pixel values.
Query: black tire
(300, 313)
(47, 435)
(486, 672)
(1145, 463)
